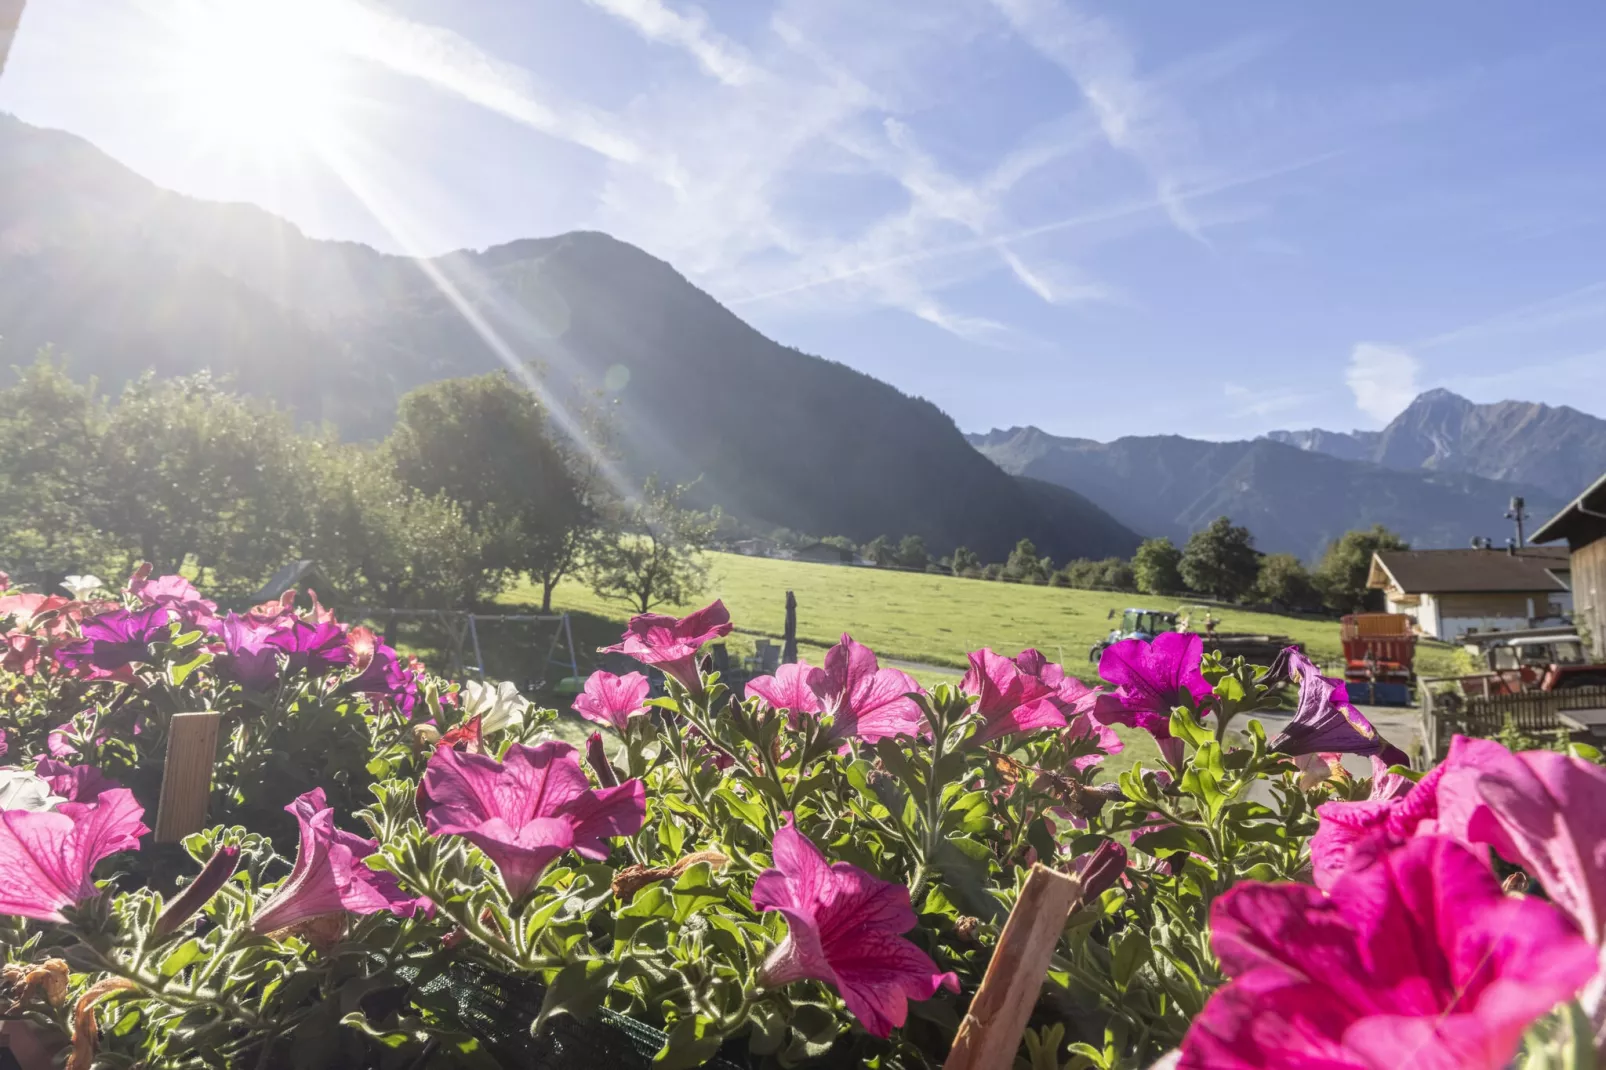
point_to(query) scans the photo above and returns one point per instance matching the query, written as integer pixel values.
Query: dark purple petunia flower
(112, 640)
(317, 648)
(385, 677)
(254, 647)
(1326, 721)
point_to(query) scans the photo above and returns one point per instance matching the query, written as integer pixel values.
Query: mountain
(1293, 500)
(1554, 447)
(125, 276)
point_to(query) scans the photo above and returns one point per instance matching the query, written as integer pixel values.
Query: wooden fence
(1448, 712)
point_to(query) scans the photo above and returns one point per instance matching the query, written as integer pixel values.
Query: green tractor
(1142, 624)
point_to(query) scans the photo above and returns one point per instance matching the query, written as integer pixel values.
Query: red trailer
(1378, 648)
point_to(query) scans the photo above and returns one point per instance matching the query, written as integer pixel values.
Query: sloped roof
(1578, 514)
(1452, 571)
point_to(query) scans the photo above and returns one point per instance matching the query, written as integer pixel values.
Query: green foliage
(1111, 574)
(1157, 567)
(654, 553)
(1025, 566)
(483, 443)
(1220, 560)
(1283, 581)
(965, 562)
(1341, 575)
(880, 552)
(912, 552)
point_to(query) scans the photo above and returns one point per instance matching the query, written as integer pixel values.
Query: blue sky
(1103, 219)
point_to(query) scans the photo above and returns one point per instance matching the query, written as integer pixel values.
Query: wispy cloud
(453, 64)
(656, 21)
(1573, 306)
(1383, 378)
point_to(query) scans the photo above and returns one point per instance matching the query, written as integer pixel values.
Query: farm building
(1583, 525)
(1452, 592)
(824, 553)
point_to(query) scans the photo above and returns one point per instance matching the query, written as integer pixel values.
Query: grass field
(924, 623)
(925, 619)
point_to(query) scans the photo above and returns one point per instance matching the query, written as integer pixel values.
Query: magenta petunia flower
(671, 645)
(177, 594)
(329, 876)
(787, 690)
(247, 656)
(527, 809)
(48, 857)
(1152, 679)
(381, 674)
(843, 928)
(1542, 811)
(1009, 698)
(113, 640)
(1325, 719)
(75, 783)
(863, 700)
(613, 700)
(1417, 960)
(1397, 817)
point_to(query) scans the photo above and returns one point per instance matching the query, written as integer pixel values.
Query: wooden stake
(187, 776)
(996, 1021)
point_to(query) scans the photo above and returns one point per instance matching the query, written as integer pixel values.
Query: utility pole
(1515, 513)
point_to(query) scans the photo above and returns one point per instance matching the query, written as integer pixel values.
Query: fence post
(991, 1032)
(187, 775)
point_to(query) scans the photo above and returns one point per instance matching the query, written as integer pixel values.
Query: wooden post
(991, 1032)
(789, 635)
(187, 776)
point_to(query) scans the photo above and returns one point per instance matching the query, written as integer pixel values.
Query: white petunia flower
(81, 587)
(497, 706)
(23, 789)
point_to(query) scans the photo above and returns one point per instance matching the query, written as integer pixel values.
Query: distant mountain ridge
(1554, 447)
(125, 276)
(1293, 500)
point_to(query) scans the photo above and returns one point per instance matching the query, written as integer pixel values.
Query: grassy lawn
(926, 622)
(932, 620)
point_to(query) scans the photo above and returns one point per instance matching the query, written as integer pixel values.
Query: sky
(1102, 219)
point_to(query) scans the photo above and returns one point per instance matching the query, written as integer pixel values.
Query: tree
(193, 474)
(1112, 573)
(483, 443)
(1220, 560)
(1283, 581)
(912, 552)
(1024, 566)
(881, 552)
(653, 553)
(561, 545)
(966, 562)
(384, 544)
(1156, 567)
(1342, 573)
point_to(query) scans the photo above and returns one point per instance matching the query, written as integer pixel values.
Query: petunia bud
(1172, 750)
(597, 759)
(213, 875)
(1515, 884)
(1100, 868)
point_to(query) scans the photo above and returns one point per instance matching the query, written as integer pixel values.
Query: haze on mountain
(124, 276)
(1554, 447)
(1293, 499)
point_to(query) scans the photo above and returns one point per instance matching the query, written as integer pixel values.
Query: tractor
(1142, 624)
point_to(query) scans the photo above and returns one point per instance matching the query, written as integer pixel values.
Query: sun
(256, 76)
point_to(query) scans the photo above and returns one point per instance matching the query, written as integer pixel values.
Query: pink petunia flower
(843, 928)
(1152, 678)
(1417, 960)
(329, 876)
(48, 857)
(527, 809)
(863, 700)
(787, 690)
(1010, 699)
(671, 645)
(613, 700)
(20, 653)
(1542, 811)
(75, 783)
(1409, 812)
(177, 594)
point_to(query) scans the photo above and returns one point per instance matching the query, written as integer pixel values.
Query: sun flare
(257, 77)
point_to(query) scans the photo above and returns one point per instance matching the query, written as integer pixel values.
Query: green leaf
(1186, 726)
(1128, 952)
(691, 1043)
(177, 673)
(181, 956)
(578, 990)
(695, 890)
